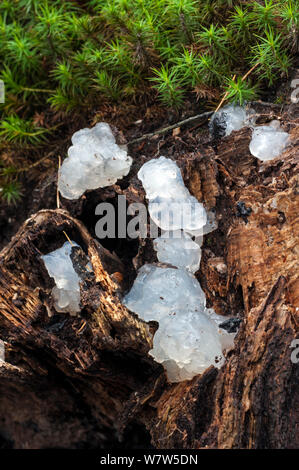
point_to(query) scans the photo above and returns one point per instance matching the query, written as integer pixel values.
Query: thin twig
(70, 241)
(265, 103)
(37, 90)
(173, 126)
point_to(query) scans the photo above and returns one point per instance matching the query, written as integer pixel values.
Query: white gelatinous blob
(232, 118)
(211, 223)
(171, 206)
(66, 293)
(178, 249)
(94, 161)
(161, 292)
(268, 142)
(188, 339)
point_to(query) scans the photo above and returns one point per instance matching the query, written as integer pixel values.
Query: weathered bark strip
(79, 381)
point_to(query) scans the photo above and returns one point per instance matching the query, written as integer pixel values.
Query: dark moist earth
(182, 144)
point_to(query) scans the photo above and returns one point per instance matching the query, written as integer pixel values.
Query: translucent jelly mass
(188, 339)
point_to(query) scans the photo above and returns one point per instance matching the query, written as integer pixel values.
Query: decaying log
(83, 381)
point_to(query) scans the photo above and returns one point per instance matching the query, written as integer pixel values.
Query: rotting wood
(93, 371)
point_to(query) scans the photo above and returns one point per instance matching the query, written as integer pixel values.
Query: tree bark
(88, 381)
